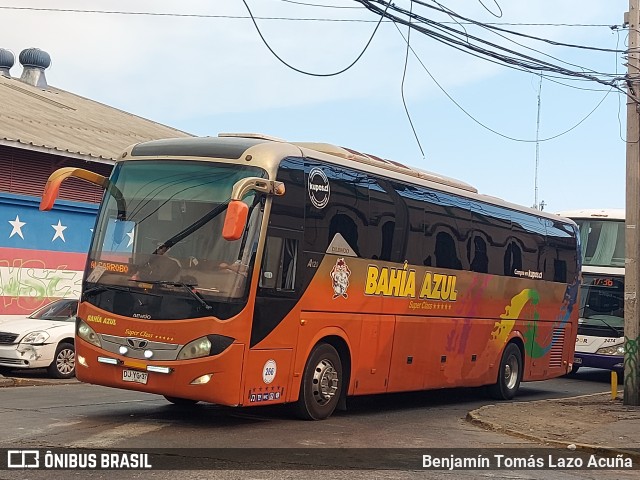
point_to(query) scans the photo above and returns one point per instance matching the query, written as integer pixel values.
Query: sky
(205, 70)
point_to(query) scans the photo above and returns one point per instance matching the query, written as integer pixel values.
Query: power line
(293, 19)
(512, 32)
(264, 40)
(535, 194)
(486, 127)
(488, 10)
(404, 74)
(318, 5)
(484, 49)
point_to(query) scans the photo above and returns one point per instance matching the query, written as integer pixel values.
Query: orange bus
(245, 270)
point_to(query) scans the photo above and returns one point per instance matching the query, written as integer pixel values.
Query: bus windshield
(169, 237)
(602, 242)
(602, 305)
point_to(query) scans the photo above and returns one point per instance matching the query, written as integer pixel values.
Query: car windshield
(61, 310)
(165, 231)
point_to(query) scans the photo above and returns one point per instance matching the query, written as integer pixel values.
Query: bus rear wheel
(321, 384)
(509, 374)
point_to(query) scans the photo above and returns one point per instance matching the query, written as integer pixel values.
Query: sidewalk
(590, 422)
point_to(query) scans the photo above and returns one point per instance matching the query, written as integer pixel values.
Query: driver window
(280, 264)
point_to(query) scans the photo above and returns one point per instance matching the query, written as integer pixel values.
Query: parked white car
(44, 339)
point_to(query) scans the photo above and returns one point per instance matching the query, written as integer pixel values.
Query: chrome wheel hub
(325, 382)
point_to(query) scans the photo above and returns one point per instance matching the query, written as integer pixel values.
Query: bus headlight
(612, 350)
(87, 333)
(200, 347)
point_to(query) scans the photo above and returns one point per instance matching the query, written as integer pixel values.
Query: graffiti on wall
(42, 254)
(28, 284)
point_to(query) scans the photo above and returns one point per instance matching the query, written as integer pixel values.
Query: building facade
(43, 128)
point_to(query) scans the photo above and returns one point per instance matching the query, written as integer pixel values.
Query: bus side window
(480, 259)
(446, 252)
(289, 264)
(271, 262)
(279, 264)
(512, 259)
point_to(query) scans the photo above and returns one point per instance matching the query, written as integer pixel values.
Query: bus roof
(237, 145)
(601, 213)
(373, 160)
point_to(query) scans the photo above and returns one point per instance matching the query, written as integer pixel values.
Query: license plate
(577, 361)
(135, 376)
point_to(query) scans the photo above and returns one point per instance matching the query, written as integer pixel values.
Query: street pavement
(595, 423)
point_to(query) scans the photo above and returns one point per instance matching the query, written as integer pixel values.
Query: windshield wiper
(102, 288)
(609, 326)
(210, 215)
(186, 286)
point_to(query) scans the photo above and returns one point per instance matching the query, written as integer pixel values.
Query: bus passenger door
(371, 373)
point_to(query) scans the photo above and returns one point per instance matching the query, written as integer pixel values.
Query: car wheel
(509, 374)
(321, 384)
(64, 362)
(183, 402)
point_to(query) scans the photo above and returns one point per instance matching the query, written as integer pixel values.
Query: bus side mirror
(238, 211)
(235, 220)
(52, 187)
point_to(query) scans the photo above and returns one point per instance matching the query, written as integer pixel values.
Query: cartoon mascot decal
(340, 278)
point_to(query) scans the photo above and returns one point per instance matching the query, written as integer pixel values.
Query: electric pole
(632, 237)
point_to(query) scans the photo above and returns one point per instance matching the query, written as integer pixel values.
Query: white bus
(600, 340)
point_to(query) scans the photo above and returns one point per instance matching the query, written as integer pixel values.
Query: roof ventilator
(6, 62)
(34, 62)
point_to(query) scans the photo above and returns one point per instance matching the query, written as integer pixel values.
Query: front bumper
(27, 356)
(594, 360)
(223, 388)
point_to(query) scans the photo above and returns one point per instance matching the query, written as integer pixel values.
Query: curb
(474, 417)
(6, 382)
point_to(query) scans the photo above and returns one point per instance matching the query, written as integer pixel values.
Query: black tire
(509, 374)
(321, 384)
(64, 362)
(574, 369)
(183, 402)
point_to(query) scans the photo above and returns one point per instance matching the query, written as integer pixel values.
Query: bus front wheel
(321, 384)
(509, 374)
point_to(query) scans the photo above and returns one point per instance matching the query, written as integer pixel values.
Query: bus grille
(7, 338)
(557, 348)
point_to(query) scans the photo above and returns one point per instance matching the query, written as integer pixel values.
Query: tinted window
(528, 240)
(561, 251)
(491, 239)
(397, 221)
(345, 211)
(287, 211)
